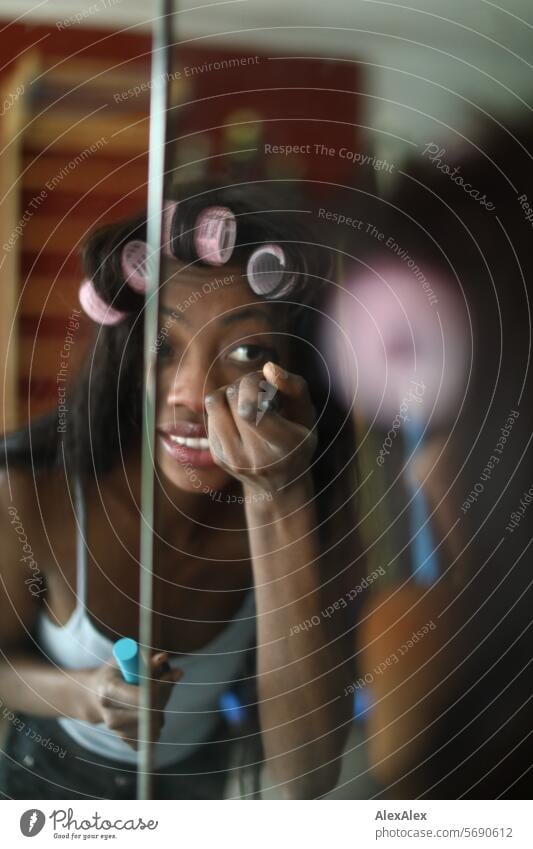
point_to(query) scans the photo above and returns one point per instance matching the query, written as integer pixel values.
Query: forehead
(201, 293)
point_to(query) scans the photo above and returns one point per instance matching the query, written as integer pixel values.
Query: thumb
(172, 676)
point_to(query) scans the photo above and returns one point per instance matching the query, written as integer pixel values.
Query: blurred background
(406, 134)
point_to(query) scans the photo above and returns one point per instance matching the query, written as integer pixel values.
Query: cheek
(166, 376)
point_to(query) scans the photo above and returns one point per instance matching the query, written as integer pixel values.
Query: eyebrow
(230, 318)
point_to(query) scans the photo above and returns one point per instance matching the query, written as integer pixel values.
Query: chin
(182, 473)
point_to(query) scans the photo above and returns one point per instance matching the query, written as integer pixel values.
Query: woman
(253, 540)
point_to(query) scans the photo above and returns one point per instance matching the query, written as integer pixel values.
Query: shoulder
(34, 514)
(36, 495)
(21, 582)
(34, 520)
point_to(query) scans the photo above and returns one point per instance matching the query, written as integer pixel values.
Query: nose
(194, 377)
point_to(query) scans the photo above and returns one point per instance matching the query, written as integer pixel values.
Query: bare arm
(29, 683)
(305, 656)
(302, 672)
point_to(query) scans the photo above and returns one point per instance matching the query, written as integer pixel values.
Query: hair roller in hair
(266, 270)
(169, 211)
(215, 234)
(134, 262)
(95, 307)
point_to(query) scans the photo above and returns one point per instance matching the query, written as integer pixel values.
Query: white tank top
(192, 709)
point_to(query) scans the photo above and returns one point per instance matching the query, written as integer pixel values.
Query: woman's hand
(116, 703)
(265, 450)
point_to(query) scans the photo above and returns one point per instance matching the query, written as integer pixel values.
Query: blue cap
(126, 653)
(362, 703)
(232, 708)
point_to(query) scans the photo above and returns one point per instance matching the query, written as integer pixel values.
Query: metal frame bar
(156, 179)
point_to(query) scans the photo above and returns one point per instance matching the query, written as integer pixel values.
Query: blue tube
(425, 563)
(126, 653)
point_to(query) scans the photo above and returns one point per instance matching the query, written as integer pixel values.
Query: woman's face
(213, 330)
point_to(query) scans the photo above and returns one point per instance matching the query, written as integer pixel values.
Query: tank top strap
(81, 544)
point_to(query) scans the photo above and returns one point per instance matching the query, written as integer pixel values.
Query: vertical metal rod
(156, 177)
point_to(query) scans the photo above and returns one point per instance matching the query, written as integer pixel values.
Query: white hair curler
(215, 235)
(266, 270)
(134, 262)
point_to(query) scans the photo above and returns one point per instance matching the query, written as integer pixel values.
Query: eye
(252, 354)
(164, 351)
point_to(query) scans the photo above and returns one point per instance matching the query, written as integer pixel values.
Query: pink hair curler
(96, 308)
(266, 269)
(214, 239)
(134, 262)
(169, 209)
(214, 233)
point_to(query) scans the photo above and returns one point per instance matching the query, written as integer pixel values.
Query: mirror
(265, 335)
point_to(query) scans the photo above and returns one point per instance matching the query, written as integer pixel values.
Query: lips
(187, 443)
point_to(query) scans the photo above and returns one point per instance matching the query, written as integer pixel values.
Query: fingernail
(278, 370)
(246, 410)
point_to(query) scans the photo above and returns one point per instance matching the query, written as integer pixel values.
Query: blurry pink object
(396, 342)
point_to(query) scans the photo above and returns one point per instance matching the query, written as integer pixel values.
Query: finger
(159, 663)
(290, 384)
(255, 396)
(171, 677)
(257, 428)
(295, 396)
(121, 694)
(221, 427)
